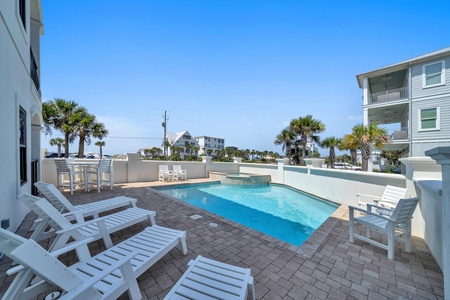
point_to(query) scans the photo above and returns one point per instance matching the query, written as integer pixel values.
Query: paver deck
(327, 266)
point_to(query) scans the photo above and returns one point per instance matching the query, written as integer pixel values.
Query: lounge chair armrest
(99, 276)
(78, 225)
(56, 253)
(369, 212)
(71, 246)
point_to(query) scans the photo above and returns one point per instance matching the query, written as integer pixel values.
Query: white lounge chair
(397, 226)
(98, 228)
(209, 279)
(389, 199)
(165, 174)
(103, 174)
(104, 276)
(93, 209)
(178, 173)
(75, 178)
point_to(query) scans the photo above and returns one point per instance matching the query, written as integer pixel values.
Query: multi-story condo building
(184, 140)
(210, 143)
(21, 105)
(411, 97)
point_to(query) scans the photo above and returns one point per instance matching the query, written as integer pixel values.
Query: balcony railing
(34, 71)
(400, 134)
(390, 95)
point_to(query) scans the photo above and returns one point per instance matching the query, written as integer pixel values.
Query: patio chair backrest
(393, 193)
(177, 168)
(404, 210)
(163, 168)
(61, 165)
(104, 165)
(54, 196)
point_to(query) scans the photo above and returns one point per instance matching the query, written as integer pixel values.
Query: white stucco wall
(17, 90)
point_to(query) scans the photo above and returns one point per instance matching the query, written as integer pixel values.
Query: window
(429, 119)
(23, 145)
(22, 12)
(434, 74)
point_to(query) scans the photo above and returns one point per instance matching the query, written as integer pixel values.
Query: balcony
(389, 95)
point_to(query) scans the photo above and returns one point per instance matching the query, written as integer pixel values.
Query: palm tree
(57, 142)
(350, 142)
(285, 138)
(307, 128)
(366, 136)
(209, 151)
(331, 142)
(59, 114)
(100, 144)
(80, 126)
(196, 149)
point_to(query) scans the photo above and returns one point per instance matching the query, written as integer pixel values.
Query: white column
(442, 156)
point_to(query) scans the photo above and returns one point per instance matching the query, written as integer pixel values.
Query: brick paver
(326, 266)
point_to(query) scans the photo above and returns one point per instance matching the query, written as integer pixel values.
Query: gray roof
(404, 63)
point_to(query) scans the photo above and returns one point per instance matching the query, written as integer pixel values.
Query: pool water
(276, 210)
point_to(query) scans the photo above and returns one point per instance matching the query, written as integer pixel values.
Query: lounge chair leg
(183, 244)
(391, 241)
(251, 287)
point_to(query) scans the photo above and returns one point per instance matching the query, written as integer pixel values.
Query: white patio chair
(209, 279)
(165, 173)
(98, 228)
(102, 174)
(93, 209)
(104, 276)
(180, 174)
(69, 177)
(397, 226)
(389, 199)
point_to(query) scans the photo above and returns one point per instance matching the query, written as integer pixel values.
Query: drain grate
(195, 217)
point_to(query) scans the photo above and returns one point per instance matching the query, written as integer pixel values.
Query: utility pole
(164, 125)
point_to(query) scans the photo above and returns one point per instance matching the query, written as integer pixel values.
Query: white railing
(390, 95)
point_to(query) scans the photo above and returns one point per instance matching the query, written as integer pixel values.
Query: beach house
(209, 143)
(412, 99)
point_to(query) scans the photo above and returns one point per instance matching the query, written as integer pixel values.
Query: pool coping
(306, 250)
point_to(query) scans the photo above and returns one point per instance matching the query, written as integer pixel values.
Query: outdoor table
(84, 165)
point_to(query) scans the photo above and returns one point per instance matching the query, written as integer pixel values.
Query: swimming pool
(276, 210)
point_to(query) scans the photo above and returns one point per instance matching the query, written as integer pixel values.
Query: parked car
(346, 166)
(53, 155)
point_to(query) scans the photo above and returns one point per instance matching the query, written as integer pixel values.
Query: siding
(444, 132)
(429, 98)
(417, 81)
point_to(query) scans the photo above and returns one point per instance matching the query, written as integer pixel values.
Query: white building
(20, 95)
(210, 143)
(181, 139)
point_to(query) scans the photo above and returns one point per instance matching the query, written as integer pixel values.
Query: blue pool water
(276, 210)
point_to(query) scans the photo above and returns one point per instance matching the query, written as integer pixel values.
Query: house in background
(20, 95)
(184, 140)
(412, 100)
(210, 143)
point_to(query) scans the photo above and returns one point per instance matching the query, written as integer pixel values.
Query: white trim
(438, 119)
(424, 86)
(447, 95)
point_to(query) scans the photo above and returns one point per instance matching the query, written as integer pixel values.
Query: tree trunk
(353, 154)
(66, 146)
(101, 152)
(332, 157)
(59, 150)
(81, 146)
(304, 141)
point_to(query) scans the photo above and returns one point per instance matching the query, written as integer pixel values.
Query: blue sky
(239, 70)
